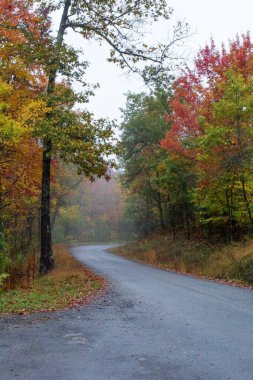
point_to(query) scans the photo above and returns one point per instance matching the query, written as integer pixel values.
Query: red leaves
(197, 89)
(16, 17)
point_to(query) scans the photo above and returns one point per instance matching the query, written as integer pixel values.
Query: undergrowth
(67, 285)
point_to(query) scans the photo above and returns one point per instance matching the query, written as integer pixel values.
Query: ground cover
(68, 285)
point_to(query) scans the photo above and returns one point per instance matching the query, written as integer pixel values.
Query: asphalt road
(152, 324)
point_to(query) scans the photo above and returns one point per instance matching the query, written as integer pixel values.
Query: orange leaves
(17, 19)
(20, 112)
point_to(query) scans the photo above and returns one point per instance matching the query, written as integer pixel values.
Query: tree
(226, 154)
(142, 129)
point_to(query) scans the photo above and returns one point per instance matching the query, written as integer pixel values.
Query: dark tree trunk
(46, 256)
(159, 205)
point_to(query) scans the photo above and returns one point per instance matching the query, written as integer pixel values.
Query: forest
(182, 166)
(188, 151)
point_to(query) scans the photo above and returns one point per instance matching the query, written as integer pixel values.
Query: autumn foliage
(30, 116)
(211, 127)
(194, 173)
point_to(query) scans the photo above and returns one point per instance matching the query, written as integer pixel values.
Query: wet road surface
(152, 324)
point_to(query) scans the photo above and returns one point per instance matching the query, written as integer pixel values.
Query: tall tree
(119, 24)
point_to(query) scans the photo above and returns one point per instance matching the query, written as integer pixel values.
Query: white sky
(221, 19)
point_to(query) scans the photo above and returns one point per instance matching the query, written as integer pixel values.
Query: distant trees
(87, 211)
(157, 185)
(205, 180)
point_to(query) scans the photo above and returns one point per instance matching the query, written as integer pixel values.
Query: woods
(195, 171)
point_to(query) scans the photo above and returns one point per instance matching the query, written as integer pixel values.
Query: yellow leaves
(19, 122)
(4, 88)
(10, 131)
(33, 113)
(161, 167)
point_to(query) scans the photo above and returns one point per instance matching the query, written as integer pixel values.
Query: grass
(68, 285)
(231, 263)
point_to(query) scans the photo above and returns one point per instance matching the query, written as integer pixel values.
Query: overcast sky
(221, 19)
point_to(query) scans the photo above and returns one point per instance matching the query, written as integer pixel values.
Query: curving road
(151, 325)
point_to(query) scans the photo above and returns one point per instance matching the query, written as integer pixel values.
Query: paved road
(151, 325)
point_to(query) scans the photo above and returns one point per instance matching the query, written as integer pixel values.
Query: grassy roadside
(68, 285)
(231, 263)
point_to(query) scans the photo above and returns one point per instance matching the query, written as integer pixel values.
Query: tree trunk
(160, 209)
(46, 255)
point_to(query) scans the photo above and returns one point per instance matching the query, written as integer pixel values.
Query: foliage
(143, 126)
(159, 187)
(34, 115)
(212, 131)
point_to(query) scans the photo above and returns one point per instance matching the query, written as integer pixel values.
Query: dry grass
(240, 251)
(232, 263)
(68, 285)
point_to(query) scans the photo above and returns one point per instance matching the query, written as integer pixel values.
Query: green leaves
(123, 26)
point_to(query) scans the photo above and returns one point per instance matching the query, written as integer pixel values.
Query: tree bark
(46, 256)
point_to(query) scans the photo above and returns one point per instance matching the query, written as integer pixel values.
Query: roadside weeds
(69, 285)
(227, 264)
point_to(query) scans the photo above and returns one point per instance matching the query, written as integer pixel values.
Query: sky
(220, 19)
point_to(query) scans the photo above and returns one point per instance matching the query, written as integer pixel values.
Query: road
(152, 324)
